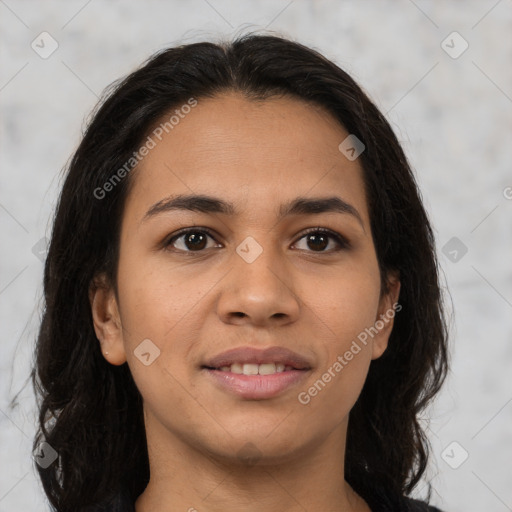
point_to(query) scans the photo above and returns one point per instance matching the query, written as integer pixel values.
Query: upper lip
(251, 355)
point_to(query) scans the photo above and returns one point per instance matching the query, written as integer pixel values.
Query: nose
(259, 292)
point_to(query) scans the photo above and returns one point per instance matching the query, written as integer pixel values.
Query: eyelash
(343, 243)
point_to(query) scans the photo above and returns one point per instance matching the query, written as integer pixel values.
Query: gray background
(453, 116)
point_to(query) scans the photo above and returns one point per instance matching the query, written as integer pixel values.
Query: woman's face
(248, 277)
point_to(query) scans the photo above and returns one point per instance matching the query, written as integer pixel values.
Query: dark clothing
(377, 501)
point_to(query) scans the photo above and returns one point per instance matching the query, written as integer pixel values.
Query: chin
(257, 447)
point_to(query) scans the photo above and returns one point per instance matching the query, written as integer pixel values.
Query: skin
(314, 301)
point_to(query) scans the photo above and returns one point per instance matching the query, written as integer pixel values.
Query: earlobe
(106, 321)
(388, 308)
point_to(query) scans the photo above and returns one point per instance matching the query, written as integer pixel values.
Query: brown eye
(191, 240)
(195, 241)
(317, 240)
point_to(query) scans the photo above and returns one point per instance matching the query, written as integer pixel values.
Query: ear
(388, 307)
(106, 320)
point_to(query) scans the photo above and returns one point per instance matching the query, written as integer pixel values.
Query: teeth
(237, 368)
(266, 369)
(251, 369)
(256, 369)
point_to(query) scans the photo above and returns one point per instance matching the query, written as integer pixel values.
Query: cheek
(346, 302)
(163, 303)
(155, 297)
(342, 312)
(157, 336)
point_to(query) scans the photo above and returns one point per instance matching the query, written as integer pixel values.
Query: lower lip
(256, 387)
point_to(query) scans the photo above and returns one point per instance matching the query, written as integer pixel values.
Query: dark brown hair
(90, 412)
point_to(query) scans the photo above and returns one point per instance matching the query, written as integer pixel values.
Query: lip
(251, 355)
(255, 387)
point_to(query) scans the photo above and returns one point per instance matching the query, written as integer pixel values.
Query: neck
(186, 478)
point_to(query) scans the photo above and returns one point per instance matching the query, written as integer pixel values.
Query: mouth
(255, 374)
(246, 359)
(254, 368)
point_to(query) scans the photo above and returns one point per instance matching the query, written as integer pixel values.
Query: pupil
(323, 244)
(195, 240)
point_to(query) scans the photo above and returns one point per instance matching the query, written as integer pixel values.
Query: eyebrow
(209, 204)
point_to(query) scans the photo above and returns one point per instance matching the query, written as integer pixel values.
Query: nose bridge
(260, 266)
(259, 286)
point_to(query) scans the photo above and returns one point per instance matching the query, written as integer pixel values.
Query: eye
(318, 239)
(194, 239)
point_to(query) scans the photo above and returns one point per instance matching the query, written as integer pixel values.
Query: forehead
(252, 153)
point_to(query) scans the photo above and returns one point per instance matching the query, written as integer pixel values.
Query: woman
(242, 301)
